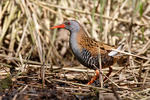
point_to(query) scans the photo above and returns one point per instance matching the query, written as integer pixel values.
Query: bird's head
(71, 25)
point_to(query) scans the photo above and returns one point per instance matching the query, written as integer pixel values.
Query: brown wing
(94, 46)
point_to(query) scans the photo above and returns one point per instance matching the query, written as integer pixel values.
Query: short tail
(114, 53)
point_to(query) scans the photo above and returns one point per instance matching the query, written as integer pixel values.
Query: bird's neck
(75, 38)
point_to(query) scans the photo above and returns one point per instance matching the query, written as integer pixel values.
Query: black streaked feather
(92, 61)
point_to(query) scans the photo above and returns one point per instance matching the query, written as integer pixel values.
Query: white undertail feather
(114, 53)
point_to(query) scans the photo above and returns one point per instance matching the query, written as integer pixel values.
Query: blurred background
(29, 46)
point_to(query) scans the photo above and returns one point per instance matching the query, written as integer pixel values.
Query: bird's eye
(68, 23)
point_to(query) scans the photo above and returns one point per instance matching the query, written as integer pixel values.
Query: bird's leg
(110, 70)
(95, 77)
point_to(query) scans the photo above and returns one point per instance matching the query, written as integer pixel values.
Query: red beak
(59, 26)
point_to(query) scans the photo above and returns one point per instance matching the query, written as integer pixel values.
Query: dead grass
(33, 56)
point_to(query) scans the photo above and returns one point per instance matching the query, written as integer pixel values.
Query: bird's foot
(94, 78)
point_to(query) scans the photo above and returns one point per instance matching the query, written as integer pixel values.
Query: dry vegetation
(37, 63)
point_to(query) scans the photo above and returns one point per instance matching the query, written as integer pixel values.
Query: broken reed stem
(107, 24)
(17, 59)
(100, 68)
(78, 84)
(130, 54)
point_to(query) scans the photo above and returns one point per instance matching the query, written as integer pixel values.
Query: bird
(87, 50)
